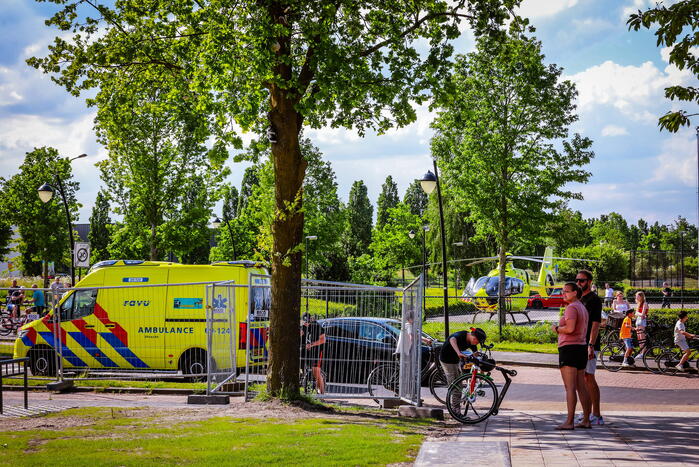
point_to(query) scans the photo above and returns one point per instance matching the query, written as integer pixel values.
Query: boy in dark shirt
(454, 347)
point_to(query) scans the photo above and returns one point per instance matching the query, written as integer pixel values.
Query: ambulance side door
(133, 317)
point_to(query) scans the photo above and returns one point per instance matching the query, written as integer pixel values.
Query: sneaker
(578, 419)
(679, 368)
(625, 365)
(595, 420)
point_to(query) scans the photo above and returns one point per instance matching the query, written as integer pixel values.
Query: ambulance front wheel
(193, 364)
(42, 361)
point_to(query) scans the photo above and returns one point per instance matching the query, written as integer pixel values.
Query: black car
(355, 346)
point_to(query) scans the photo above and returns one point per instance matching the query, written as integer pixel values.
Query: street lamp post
(45, 194)
(456, 278)
(682, 268)
(216, 223)
(305, 254)
(428, 183)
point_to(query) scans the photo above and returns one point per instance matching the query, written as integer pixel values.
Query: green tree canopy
(230, 204)
(388, 199)
(391, 245)
(360, 214)
(507, 118)
(156, 155)
(675, 26)
(42, 226)
(416, 198)
(278, 65)
(99, 235)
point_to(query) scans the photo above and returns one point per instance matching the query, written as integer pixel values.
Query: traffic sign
(82, 255)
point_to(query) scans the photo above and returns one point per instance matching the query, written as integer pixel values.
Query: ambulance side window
(67, 308)
(84, 303)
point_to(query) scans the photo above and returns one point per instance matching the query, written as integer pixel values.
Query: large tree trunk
(287, 231)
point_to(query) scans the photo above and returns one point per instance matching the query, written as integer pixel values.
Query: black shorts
(573, 355)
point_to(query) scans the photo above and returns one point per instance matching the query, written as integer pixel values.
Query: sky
(638, 171)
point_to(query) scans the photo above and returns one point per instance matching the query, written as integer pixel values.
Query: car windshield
(395, 325)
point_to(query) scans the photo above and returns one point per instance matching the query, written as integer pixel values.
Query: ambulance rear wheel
(42, 361)
(193, 362)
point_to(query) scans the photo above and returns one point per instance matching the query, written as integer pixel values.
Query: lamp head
(216, 223)
(311, 237)
(428, 182)
(45, 192)
(411, 234)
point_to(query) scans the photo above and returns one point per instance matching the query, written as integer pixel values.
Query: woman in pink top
(572, 355)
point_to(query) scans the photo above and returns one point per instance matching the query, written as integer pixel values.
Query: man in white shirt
(608, 295)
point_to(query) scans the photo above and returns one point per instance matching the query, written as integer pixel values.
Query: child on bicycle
(625, 335)
(681, 336)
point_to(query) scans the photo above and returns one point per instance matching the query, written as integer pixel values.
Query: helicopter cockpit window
(474, 286)
(513, 286)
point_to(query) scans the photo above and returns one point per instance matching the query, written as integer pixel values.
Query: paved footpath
(627, 439)
(650, 420)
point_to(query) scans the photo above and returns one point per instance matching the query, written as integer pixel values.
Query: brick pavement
(651, 420)
(629, 438)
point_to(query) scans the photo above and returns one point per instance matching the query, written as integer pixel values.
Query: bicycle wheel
(383, 382)
(667, 361)
(6, 325)
(308, 381)
(438, 385)
(650, 356)
(612, 356)
(468, 406)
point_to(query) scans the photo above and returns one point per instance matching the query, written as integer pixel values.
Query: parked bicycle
(10, 325)
(438, 380)
(473, 397)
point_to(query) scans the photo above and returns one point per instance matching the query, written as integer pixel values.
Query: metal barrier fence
(10, 368)
(348, 332)
(133, 332)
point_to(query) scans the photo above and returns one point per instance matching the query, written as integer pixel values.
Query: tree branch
(412, 28)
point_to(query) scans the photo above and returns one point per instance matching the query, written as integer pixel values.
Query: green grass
(117, 437)
(110, 383)
(6, 349)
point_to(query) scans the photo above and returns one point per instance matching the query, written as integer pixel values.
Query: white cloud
(544, 8)
(677, 162)
(630, 89)
(613, 130)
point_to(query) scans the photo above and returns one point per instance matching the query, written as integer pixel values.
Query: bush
(656, 292)
(435, 308)
(539, 333)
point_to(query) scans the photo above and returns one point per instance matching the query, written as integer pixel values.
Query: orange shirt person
(625, 335)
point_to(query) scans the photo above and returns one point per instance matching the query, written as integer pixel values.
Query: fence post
(26, 387)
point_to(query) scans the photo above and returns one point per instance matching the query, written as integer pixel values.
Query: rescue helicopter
(519, 283)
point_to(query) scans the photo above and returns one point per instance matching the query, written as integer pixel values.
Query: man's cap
(480, 335)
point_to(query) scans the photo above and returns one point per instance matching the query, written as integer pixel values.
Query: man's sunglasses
(581, 280)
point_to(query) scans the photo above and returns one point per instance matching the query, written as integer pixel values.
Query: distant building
(10, 267)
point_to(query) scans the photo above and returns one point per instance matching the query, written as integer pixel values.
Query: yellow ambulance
(150, 315)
